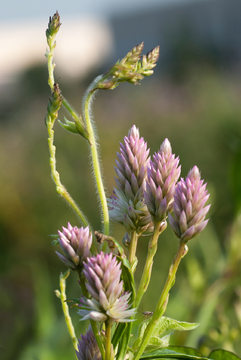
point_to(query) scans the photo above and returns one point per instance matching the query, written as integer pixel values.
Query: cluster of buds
(132, 68)
(189, 211)
(53, 27)
(127, 206)
(75, 243)
(162, 174)
(87, 347)
(108, 301)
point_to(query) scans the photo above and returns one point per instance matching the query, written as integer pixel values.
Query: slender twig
(62, 296)
(50, 120)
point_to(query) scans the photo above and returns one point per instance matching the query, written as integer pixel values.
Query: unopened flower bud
(75, 243)
(87, 347)
(108, 301)
(53, 26)
(189, 210)
(162, 175)
(127, 206)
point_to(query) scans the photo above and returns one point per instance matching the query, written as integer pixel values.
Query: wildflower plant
(148, 195)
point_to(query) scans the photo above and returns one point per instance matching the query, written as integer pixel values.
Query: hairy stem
(55, 175)
(146, 275)
(162, 303)
(50, 120)
(95, 158)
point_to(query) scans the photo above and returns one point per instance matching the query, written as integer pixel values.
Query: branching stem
(146, 275)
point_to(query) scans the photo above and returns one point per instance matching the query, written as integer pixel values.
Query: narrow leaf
(170, 354)
(185, 350)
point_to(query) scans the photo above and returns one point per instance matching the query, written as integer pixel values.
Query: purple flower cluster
(108, 301)
(75, 243)
(189, 210)
(88, 348)
(147, 191)
(163, 174)
(127, 206)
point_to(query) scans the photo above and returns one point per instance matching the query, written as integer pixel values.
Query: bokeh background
(193, 99)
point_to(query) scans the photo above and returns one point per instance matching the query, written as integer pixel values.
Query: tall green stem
(62, 296)
(161, 306)
(107, 340)
(132, 248)
(146, 275)
(95, 158)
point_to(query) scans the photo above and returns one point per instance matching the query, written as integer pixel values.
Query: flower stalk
(152, 248)
(108, 346)
(162, 303)
(133, 247)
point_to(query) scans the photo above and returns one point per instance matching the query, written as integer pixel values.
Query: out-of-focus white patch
(82, 44)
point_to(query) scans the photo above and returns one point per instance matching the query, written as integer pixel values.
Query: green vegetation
(201, 117)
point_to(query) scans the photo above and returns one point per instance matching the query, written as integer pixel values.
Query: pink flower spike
(189, 206)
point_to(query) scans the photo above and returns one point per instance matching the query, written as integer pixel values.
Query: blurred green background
(195, 103)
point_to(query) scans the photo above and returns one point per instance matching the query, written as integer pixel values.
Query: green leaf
(223, 355)
(118, 334)
(69, 126)
(167, 325)
(170, 354)
(164, 327)
(157, 343)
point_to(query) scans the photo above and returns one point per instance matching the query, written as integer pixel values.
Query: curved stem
(162, 303)
(95, 158)
(132, 248)
(146, 274)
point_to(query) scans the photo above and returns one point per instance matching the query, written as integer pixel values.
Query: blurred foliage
(200, 115)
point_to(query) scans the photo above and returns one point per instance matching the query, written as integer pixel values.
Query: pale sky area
(25, 9)
(85, 37)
